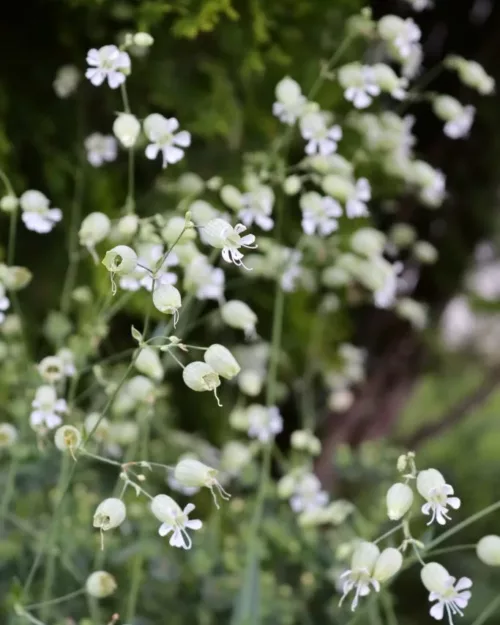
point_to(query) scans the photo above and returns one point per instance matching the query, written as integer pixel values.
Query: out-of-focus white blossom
(164, 138)
(319, 213)
(100, 149)
(148, 362)
(356, 203)
(8, 435)
(258, 207)
(47, 408)
(401, 35)
(94, 229)
(66, 81)
(264, 422)
(100, 584)
(149, 255)
(220, 234)
(237, 314)
(304, 440)
(67, 438)
(359, 83)
(206, 281)
(107, 63)
(321, 138)
(37, 215)
(290, 102)
(488, 550)
(472, 74)
(126, 129)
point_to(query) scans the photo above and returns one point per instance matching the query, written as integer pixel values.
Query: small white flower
(356, 204)
(100, 149)
(222, 361)
(200, 377)
(109, 514)
(407, 38)
(4, 303)
(264, 422)
(195, 474)
(321, 138)
(307, 494)
(164, 138)
(51, 368)
(450, 596)
(220, 234)
(94, 229)
(8, 435)
(121, 259)
(47, 408)
(432, 486)
(205, 280)
(487, 549)
(459, 127)
(37, 215)
(369, 567)
(237, 314)
(67, 438)
(66, 81)
(149, 363)
(174, 520)
(319, 213)
(107, 63)
(68, 361)
(167, 299)
(290, 102)
(258, 207)
(385, 296)
(359, 82)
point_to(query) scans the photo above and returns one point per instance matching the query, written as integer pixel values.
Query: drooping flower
(174, 520)
(220, 234)
(47, 408)
(290, 102)
(205, 280)
(369, 568)
(222, 361)
(161, 131)
(319, 213)
(109, 514)
(451, 595)
(201, 377)
(398, 499)
(258, 207)
(321, 138)
(433, 487)
(37, 215)
(359, 82)
(192, 473)
(459, 127)
(107, 63)
(100, 149)
(264, 422)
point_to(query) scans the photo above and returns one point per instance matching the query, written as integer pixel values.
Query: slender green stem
(100, 458)
(452, 549)
(488, 611)
(68, 597)
(390, 615)
(389, 533)
(175, 358)
(52, 543)
(11, 246)
(4, 178)
(9, 488)
(21, 612)
(130, 199)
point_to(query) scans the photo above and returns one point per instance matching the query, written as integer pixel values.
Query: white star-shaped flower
(432, 486)
(220, 234)
(107, 63)
(319, 213)
(161, 131)
(258, 207)
(356, 205)
(100, 149)
(290, 102)
(175, 521)
(452, 596)
(459, 127)
(264, 422)
(321, 138)
(48, 408)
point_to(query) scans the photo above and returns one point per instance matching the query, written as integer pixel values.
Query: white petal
(195, 524)
(96, 76)
(454, 502)
(93, 57)
(115, 79)
(437, 611)
(463, 583)
(152, 151)
(172, 124)
(54, 214)
(183, 138)
(165, 529)
(171, 154)
(189, 508)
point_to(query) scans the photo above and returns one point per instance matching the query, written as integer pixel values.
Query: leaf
(246, 609)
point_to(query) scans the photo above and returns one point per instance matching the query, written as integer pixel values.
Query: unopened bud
(100, 584)
(399, 499)
(222, 361)
(488, 550)
(126, 129)
(109, 514)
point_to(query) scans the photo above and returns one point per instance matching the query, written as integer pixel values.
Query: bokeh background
(215, 64)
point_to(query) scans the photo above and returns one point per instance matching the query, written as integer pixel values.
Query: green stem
(52, 543)
(488, 611)
(9, 489)
(71, 595)
(130, 199)
(11, 246)
(389, 533)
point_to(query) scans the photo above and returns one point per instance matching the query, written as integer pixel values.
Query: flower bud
(94, 229)
(9, 203)
(109, 514)
(288, 91)
(368, 242)
(237, 314)
(175, 228)
(292, 185)
(305, 440)
(425, 252)
(67, 438)
(167, 299)
(100, 584)
(447, 108)
(338, 187)
(386, 78)
(51, 369)
(388, 564)
(121, 260)
(250, 382)
(435, 578)
(143, 40)
(149, 362)
(390, 26)
(222, 361)
(8, 435)
(488, 550)
(127, 226)
(234, 457)
(402, 235)
(16, 278)
(231, 197)
(399, 499)
(126, 129)
(427, 480)
(199, 377)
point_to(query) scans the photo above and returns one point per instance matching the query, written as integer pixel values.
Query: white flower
(167, 299)
(8, 435)
(319, 213)
(205, 280)
(487, 549)
(149, 363)
(369, 567)
(356, 204)
(162, 134)
(100, 149)
(420, 5)
(107, 63)
(222, 361)
(258, 207)
(195, 474)
(47, 408)
(100, 584)
(290, 102)
(459, 127)
(67, 437)
(51, 369)
(126, 129)
(4, 303)
(94, 229)
(174, 520)
(220, 234)
(37, 215)
(404, 35)
(237, 314)
(109, 514)
(432, 486)
(359, 82)
(264, 422)
(66, 81)
(121, 259)
(307, 494)
(68, 360)
(472, 74)
(321, 139)
(148, 256)
(180, 488)
(200, 377)
(450, 596)
(385, 296)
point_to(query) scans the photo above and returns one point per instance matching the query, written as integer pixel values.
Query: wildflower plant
(290, 226)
